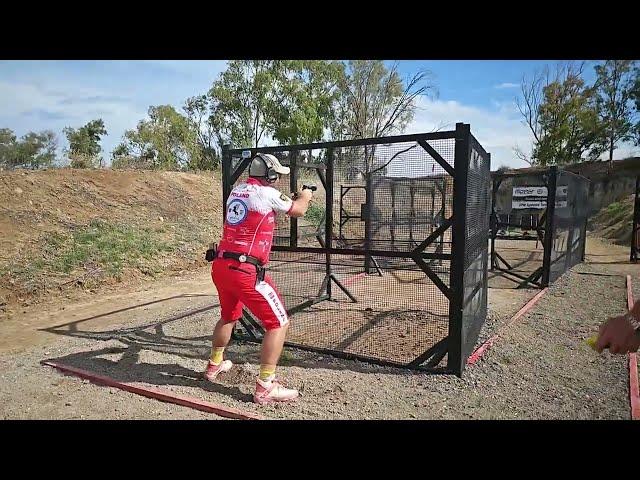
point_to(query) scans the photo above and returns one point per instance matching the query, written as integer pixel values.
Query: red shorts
(236, 285)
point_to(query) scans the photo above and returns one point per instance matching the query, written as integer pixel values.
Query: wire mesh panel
(635, 225)
(547, 212)
(405, 211)
(351, 226)
(474, 307)
(367, 272)
(310, 171)
(569, 223)
(518, 226)
(395, 317)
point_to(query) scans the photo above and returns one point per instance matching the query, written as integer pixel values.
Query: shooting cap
(267, 166)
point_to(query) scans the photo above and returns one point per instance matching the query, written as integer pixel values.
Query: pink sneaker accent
(273, 391)
(213, 371)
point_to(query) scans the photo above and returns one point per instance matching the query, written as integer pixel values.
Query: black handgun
(313, 188)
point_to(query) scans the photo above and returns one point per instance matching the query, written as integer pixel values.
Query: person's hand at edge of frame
(619, 335)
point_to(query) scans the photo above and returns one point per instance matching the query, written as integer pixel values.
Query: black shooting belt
(260, 270)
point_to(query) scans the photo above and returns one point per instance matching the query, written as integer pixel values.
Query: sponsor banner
(525, 191)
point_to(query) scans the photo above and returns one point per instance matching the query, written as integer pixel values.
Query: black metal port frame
(454, 346)
(635, 231)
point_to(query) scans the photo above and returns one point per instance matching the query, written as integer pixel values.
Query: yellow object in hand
(591, 341)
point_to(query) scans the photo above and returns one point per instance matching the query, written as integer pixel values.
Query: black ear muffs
(271, 175)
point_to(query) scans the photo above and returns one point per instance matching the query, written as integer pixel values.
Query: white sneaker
(272, 391)
(212, 371)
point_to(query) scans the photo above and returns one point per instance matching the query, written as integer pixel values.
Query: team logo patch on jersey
(237, 212)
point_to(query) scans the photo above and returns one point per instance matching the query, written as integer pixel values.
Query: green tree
(242, 101)
(302, 101)
(121, 158)
(7, 147)
(375, 102)
(33, 150)
(166, 141)
(559, 110)
(309, 95)
(37, 150)
(614, 102)
(84, 144)
(569, 120)
(635, 95)
(294, 101)
(197, 113)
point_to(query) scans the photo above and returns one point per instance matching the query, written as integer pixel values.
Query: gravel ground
(31, 391)
(635, 287)
(540, 368)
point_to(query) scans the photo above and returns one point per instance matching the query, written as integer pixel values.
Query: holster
(212, 252)
(260, 273)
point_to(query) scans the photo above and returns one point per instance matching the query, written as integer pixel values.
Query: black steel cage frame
(544, 227)
(458, 344)
(635, 230)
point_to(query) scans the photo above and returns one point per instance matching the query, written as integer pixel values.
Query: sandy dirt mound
(170, 216)
(614, 222)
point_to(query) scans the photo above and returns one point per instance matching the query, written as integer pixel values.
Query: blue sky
(38, 95)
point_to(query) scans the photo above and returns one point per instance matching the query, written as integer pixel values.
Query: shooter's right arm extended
(301, 203)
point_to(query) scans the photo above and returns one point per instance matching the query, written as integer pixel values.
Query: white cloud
(507, 85)
(625, 150)
(120, 92)
(22, 98)
(27, 106)
(497, 131)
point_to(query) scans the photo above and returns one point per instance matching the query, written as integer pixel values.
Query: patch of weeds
(315, 214)
(108, 247)
(615, 208)
(286, 358)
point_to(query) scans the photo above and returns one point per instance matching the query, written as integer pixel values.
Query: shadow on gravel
(128, 370)
(152, 336)
(73, 326)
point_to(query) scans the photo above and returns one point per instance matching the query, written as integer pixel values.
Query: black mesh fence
(518, 226)
(474, 306)
(569, 223)
(538, 226)
(395, 317)
(367, 272)
(635, 224)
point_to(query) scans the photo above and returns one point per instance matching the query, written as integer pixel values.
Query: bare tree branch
(391, 159)
(406, 99)
(522, 156)
(379, 101)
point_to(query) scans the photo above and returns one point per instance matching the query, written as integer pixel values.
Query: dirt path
(169, 295)
(159, 335)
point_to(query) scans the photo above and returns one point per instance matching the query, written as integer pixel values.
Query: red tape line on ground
(157, 393)
(634, 396)
(353, 278)
(475, 356)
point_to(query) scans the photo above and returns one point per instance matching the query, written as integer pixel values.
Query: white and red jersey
(250, 220)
